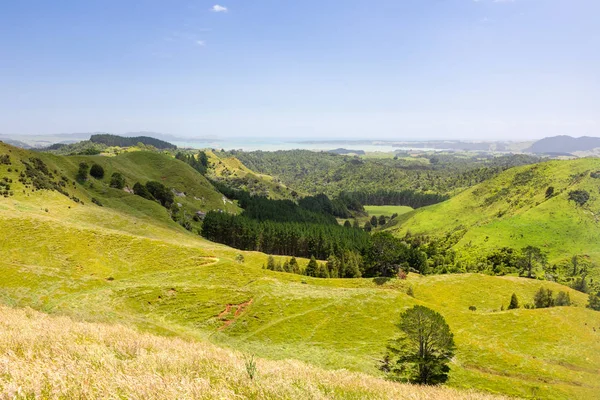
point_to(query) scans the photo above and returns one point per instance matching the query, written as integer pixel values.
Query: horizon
(485, 70)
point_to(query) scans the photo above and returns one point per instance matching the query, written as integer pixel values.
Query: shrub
(594, 301)
(580, 197)
(97, 171)
(514, 302)
(543, 298)
(562, 299)
(82, 174)
(239, 258)
(140, 190)
(96, 201)
(549, 192)
(472, 308)
(117, 181)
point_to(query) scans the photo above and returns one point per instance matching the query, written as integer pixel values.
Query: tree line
(384, 197)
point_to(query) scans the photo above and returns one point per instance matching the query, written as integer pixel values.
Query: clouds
(219, 9)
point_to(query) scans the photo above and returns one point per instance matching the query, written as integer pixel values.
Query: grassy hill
(227, 168)
(138, 166)
(129, 264)
(512, 210)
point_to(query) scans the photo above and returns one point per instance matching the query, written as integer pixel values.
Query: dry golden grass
(50, 357)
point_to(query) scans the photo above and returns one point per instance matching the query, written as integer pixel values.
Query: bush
(594, 301)
(514, 302)
(96, 201)
(562, 299)
(82, 174)
(97, 171)
(580, 197)
(543, 298)
(117, 181)
(140, 190)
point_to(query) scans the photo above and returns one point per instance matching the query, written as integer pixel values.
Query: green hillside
(513, 210)
(195, 192)
(228, 169)
(128, 263)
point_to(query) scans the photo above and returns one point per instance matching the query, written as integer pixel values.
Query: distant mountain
(564, 144)
(114, 140)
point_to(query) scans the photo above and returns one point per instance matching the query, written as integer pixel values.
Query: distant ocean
(274, 145)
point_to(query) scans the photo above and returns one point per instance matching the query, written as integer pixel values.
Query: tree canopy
(423, 350)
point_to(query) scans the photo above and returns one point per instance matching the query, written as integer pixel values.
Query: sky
(302, 69)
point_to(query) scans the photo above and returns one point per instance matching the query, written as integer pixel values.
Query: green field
(128, 263)
(387, 211)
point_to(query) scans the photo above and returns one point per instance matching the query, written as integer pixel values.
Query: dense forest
(324, 172)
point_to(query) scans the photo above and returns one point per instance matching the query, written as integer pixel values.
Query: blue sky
(391, 69)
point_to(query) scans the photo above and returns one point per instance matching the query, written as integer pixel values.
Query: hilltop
(523, 206)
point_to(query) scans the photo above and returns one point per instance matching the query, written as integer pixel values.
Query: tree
(381, 220)
(294, 267)
(271, 263)
(368, 226)
(594, 301)
(543, 298)
(97, 171)
(530, 258)
(140, 190)
(117, 181)
(347, 224)
(422, 352)
(82, 173)
(562, 299)
(355, 224)
(311, 268)
(161, 193)
(373, 221)
(514, 302)
(549, 192)
(385, 254)
(322, 271)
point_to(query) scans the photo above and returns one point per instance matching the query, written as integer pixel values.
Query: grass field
(141, 270)
(387, 211)
(56, 357)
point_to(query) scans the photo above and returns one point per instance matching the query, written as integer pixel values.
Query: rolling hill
(516, 210)
(127, 263)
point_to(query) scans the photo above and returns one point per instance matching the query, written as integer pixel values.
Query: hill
(226, 168)
(564, 144)
(516, 209)
(128, 263)
(191, 190)
(114, 140)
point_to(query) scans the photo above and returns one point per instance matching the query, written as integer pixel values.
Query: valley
(128, 262)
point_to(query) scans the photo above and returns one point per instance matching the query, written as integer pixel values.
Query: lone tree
(97, 171)
(514, 302)
(423, 350)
